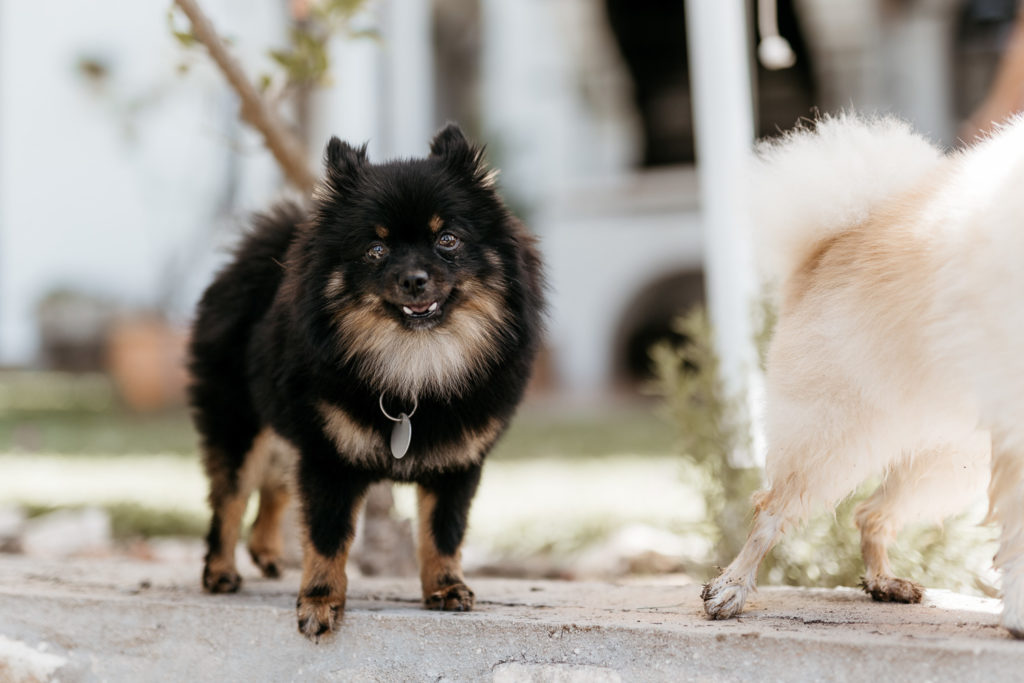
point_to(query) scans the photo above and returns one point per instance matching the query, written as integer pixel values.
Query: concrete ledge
(131, 621)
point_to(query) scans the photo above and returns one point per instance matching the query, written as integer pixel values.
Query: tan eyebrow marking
(381, 231)
(435, 223)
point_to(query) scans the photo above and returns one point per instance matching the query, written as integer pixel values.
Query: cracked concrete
(120, 620)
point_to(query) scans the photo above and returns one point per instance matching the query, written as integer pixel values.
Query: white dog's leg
(814, 459)
(785, 504)
(725, 596)
(926, 485)
(1006, 506)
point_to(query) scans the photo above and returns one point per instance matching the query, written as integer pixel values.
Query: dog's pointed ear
(449, 142)
(343, 163)
(451, 146)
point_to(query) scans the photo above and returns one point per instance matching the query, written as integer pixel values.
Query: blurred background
(126, 173)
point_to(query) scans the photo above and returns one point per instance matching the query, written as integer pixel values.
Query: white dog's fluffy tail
(817, 182)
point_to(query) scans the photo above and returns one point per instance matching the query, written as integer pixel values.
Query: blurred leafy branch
(304, 62)
(826, 550)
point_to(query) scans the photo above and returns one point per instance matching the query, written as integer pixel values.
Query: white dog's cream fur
(899, 343)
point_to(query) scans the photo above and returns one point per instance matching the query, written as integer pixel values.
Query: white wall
(110, 188)
(597, 265)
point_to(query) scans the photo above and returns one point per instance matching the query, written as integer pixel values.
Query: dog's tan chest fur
(363, 445)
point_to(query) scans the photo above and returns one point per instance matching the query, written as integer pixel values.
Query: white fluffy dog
(900, 341)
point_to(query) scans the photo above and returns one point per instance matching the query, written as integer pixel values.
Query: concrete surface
(120, 620)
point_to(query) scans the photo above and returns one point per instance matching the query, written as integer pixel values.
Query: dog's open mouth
(421, 311)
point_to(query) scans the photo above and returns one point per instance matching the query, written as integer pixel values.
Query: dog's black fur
(325, 310)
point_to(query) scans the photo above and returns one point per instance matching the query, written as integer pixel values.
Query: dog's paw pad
(454, 598)
(892, 589)
(723, 600)
(223, 581)
(319, 616)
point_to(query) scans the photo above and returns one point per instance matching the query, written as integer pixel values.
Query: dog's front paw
(723, 599)
(454, 598)
(221, 580)
(892, 589)
(268, 562)
(319, 615)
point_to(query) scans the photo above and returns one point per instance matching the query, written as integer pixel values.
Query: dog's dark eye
(376, 251)
(448, 242)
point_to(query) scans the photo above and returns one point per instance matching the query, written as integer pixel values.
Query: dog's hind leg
(266, 544)
(1006, 503)
(928, 484)
(234, 472)
(229, 494)
(801, 481)
(725, 596)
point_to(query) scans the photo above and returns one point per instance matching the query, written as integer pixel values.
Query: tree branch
(281, 142)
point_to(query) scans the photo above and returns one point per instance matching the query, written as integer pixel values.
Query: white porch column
(382, 91)
(407, 31)
(723, 116)
(350, 106)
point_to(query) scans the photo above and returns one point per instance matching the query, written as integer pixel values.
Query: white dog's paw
(724, 599)
(1013, 621)
(892, 589)
(1013, 601)
(1014, 626)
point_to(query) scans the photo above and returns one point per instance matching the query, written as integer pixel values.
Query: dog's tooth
(408, 311)
(433, 307)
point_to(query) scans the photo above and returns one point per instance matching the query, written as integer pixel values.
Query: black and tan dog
(385, 333)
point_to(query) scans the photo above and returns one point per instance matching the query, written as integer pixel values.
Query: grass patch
(87, 432)
(133, 520)
(533, 434)
(635, 430)
(558, 481)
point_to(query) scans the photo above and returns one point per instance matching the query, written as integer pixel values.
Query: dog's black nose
(413, 282)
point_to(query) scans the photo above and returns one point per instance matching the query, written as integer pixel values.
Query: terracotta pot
(146, 359)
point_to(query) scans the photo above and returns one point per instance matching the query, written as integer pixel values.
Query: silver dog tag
(401, 436)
